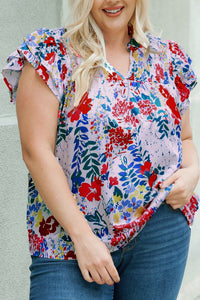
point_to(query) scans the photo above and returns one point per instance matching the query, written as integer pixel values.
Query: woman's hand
(185, 179)
(184, 182)
(95, 261)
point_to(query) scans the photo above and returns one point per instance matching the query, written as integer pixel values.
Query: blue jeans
(151, 267)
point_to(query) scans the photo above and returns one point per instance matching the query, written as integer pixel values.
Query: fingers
(175, 205)
(113, 272)
(178, 191)
(95, 261)
(181, 191)
(101, 273)
(174, 193)
(96, 277)
(86, 275)
(184, 183)
(170, 180)
(106, 277)
(178, 196)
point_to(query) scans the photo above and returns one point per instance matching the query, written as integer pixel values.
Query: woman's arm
(186, 178)
(37, 112)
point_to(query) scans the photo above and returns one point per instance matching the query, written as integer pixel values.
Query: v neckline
(110, 69)
(132, 46)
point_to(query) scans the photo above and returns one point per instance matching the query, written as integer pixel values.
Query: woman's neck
(116, 41)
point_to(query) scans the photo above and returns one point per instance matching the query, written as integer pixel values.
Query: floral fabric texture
(116, 147)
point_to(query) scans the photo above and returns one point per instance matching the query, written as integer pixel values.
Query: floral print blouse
(117, 145)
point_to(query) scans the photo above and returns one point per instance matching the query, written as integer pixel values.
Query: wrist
(80, 232)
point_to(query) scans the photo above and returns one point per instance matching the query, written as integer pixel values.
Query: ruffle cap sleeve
(44, 50)
(182, 74)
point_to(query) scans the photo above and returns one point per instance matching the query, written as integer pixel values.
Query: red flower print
(41, 70)
(122, 111)
(118, 237)
(118, 138)
(84, 107)
(50, 57)
(48, 226)
(190, 209)
(132, 232)
(20, 63)
(69, 255)
(175, 48)
(121, 108)
(159, 73)
(133, 48)
(132, 119)
(132, 77)
(63, 72)
(171, 103)
(146, 167)
(158, 185)
(146, 107)
(114, 77)
(50, 41)
(171, 69)
(59, 114)
(164, 92)
(138, 223)
(121, 83)
(35, 240)
(152, 179)
(193, 204)
(113, 181)
(83, 210)
(183, 90)
(10, 87)
(62, 49)
(145, 217)
(104, 169)
(91, 192)
(74, 114)
(85, 104)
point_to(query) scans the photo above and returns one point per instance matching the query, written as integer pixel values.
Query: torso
(115, 147)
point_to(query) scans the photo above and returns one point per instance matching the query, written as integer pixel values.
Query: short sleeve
(45, 51)
(182, 74)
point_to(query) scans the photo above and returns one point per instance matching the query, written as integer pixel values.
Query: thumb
(170, 180)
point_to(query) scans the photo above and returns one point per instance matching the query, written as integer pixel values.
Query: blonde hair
(85, 38)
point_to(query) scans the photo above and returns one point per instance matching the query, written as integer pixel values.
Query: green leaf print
(96, 218)
(90, 158)
(117, 192)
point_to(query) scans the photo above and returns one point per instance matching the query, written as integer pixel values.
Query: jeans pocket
(178, 212)
(171, 208)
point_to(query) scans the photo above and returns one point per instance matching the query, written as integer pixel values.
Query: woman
(103, 114)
